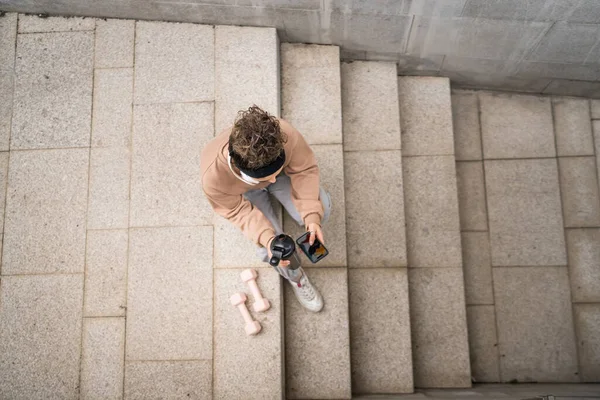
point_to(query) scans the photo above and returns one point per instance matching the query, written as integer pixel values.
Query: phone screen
(316, 252)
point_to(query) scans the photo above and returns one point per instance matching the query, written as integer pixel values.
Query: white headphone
(244, 178)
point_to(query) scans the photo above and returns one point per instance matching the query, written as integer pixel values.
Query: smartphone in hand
(316, 252)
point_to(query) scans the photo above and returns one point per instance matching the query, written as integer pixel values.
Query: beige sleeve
(304, 175)
(240, 212)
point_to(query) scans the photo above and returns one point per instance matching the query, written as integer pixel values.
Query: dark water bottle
(284, 248)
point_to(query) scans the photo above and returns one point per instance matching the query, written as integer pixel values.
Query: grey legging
(282, 191)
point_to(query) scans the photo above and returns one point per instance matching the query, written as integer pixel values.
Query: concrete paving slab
(167, 141)
(46, 203)
(535, 10)
(169, 294)
(53, 90)
(510, 40)
(579, 189)
(8, 39)
(595, 109)
(420, 65)
(477, 268)
(371, 118)
(380, 344)
(311, 91)
(441, 9)
(516, 126)
(3, 183)
(240, 359)
(317, 346)
(573, 127)
(556, 46)
(168, 379)
(471, 196)
(330, 159)
(108, 203)
(102, 360)
(233, 249)
(494, 82)
(6, 105)
(113, 97)
(566, 87)
(106, 273)
(535, 324)
(251, 55)
(525, 215)
(34, 23)
(114, 43)
(375, 209)
(375, 32)
(587, 325)
(483, 343)
(584, 259)
(431, 207)
(174, 62)
(535, 70)
(439, 328)
(425, 116)
(596, 129)
(478, 70)
(40, 336)
(467, 132)
(347, 55)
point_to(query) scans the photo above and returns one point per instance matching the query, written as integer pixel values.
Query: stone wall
(541, 46)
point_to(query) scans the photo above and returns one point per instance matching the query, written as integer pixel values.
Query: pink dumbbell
(239, 300)
(260, 304)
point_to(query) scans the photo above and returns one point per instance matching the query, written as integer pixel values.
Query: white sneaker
(307, 294)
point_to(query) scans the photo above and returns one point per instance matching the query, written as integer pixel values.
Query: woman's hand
(315, 231)
(282, 263)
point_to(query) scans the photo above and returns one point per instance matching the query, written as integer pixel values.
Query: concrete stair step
(378, 281)
(245, 367)
(317, 345)
(435, 275)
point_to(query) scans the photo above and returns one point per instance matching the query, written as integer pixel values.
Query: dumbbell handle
(255, 290)
(245, 313)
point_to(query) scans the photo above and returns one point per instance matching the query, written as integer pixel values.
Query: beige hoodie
(225, 190)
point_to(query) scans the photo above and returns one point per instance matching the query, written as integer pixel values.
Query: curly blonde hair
(256, 139)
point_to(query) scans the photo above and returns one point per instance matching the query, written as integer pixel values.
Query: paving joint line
(41, 274)
(428, 155)
(529, 266)
(594, 144)
(489, 241)
(103, 316)
(128, 260)
(107, 229)
(52, 148)
(112, 68)
(521, 158)
(12, 111)
(214, 309)
(168, 360)
(87, 210)
(360, 151)
(576, 331)
(172, 102)
(166, 226)
(53, 32)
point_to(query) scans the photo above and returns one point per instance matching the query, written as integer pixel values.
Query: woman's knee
(326, 201)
